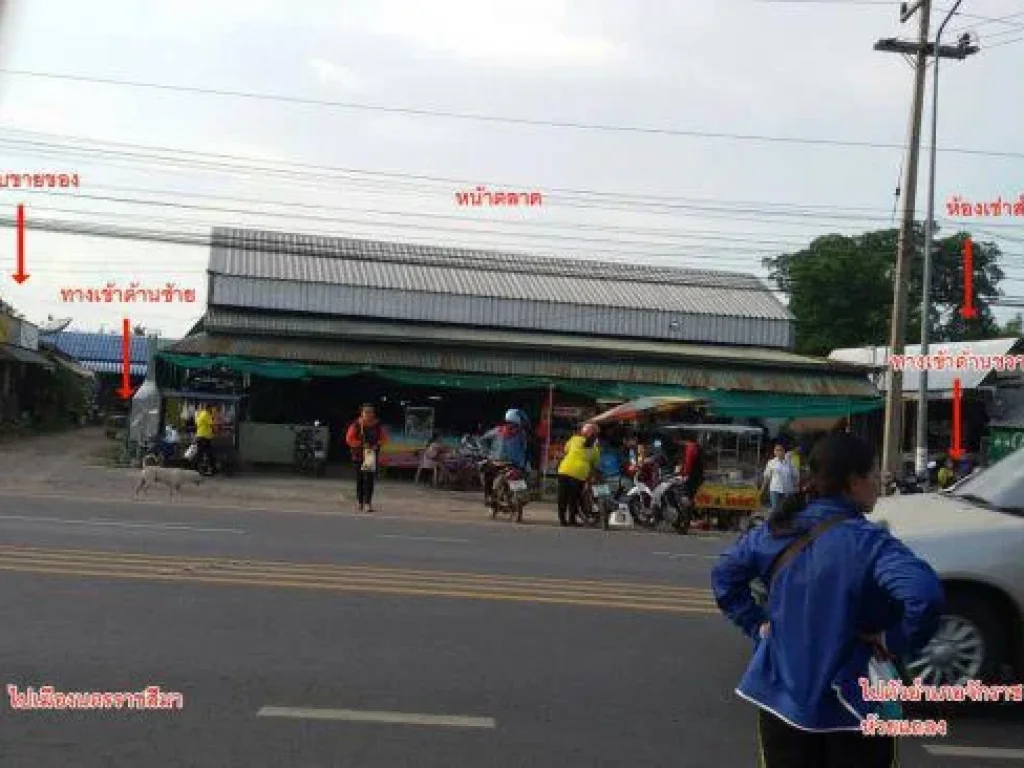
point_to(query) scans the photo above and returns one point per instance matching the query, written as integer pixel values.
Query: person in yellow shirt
(204, 435)
(579, 464)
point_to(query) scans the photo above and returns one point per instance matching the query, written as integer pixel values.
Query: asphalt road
(299, 639)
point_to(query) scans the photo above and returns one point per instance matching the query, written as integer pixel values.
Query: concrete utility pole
(892, 454)
(961, 51)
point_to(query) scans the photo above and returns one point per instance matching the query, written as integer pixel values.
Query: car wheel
(970, 644)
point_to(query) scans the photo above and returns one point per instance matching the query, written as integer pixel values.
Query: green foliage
(841, 290)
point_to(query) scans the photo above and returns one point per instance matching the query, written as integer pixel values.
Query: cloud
(332, 74)
(529, 34)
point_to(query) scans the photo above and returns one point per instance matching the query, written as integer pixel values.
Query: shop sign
(714, 496)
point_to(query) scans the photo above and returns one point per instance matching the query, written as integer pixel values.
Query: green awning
(721, 402)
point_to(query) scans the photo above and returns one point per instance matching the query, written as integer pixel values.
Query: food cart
(732, 469)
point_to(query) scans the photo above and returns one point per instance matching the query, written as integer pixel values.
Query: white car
(973, 536)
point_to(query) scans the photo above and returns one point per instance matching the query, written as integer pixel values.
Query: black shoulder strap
(798, 545)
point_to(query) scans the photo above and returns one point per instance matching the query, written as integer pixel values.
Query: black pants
(570, 494)
(364, 485)
(783, 746)
(204, 447)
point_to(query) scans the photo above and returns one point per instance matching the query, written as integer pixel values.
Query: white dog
(171, 477)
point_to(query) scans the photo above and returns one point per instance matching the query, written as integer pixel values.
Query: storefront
(445, 340)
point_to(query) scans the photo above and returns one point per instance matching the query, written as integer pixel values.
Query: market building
(991, 380)
(303, 328)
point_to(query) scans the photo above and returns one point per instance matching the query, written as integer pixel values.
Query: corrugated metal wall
(389, 303)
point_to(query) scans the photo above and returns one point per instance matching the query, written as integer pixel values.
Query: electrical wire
(479, 117)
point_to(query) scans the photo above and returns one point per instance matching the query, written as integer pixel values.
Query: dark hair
(833, 461)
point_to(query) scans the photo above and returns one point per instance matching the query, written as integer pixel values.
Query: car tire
(971, 611)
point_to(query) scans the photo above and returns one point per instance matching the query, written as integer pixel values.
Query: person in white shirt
(781, 476)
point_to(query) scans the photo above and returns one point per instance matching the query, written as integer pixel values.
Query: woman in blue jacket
(852, 592)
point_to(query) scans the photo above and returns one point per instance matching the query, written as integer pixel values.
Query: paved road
(300, 639)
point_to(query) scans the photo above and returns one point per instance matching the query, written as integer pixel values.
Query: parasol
(643, 407)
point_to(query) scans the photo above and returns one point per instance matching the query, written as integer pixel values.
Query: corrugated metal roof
(938, 380)
(26, 356)
(97, 346)
(560, 365)
(303, 273)
(227, 321)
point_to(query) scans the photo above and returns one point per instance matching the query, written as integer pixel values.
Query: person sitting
(432, 459)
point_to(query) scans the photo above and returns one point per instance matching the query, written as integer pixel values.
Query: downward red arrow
(968, 312)
(956, 450)
(21, 275)
(125, 390)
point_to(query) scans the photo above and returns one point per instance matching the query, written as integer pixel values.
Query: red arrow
(956, 450)
(125, 390)
(968, 312)
(21, 275)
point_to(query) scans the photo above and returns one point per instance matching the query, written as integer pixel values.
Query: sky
(710, 134)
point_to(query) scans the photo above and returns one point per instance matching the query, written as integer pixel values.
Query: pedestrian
(365, 437)
(842, 591)
(781, 477)
(578, 466)
(204, 436)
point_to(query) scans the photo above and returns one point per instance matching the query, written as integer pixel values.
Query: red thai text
(38, 180)
(48, 698)
(133, 294)
(481, 196)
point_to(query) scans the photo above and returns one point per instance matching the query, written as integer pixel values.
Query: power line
(478, 117)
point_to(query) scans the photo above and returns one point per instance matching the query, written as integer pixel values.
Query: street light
(921, 463)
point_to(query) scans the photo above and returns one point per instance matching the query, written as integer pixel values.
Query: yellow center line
(112, 565)
(351, 570)
(341, 587)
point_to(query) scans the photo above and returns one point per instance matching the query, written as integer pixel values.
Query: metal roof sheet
(97, 346)
(938, 380)
(247, 323)
(254, 267)
(465, 358)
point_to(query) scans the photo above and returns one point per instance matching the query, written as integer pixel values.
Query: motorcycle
(657, 496)
(510, 491)
(599, 502)
(462, 465)
(310, 453)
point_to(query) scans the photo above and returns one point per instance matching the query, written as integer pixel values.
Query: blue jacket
(507, 443)
(856, 578)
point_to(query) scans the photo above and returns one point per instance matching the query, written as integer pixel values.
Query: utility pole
(940, 52)
(892, 454)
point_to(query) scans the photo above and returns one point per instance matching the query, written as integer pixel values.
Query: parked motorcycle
(310, 453)
(657, 496)
(510, 492)
(462, 465)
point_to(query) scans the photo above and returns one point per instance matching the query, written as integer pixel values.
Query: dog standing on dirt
(173, 478)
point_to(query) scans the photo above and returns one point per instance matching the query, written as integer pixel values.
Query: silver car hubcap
(953, 657)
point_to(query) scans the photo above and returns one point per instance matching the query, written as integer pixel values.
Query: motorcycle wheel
(205, 467)
(519, 511)
(606, 513)
(641, 515)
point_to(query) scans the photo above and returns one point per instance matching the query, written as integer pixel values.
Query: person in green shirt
(579, 464)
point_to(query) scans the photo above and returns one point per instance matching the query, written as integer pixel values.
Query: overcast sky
(736, 67)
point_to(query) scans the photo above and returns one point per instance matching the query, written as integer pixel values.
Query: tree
(841, 290)
(139, 330)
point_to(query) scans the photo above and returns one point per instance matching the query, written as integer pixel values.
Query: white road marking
(119, 524)
(990, 753)
(422, 538)
(674, 555)
(393, 718)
